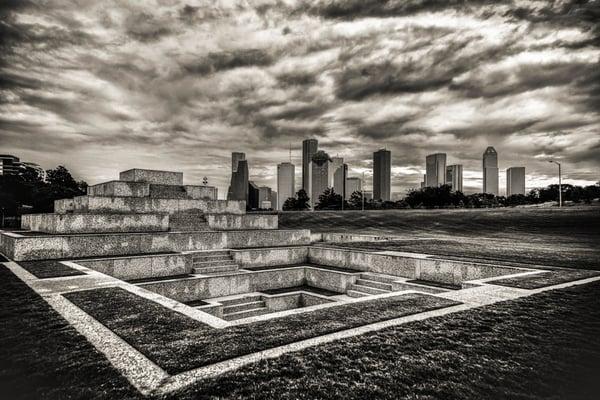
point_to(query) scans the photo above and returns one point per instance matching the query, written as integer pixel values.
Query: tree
(289, 204)
(302, 200)
(356, 200)
(329, 200)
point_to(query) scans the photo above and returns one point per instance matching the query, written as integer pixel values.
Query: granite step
(240, 300)
(374, 284)
(420, 288)
(225, 257)
(243, 307)
(367, 289)
(246, 314)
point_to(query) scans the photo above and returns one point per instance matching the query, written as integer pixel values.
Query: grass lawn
(545, 346)
(564, 238)
(178, 343)
(546, 279)
(48, 269)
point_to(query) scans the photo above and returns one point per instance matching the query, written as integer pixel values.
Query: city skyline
(111, 86)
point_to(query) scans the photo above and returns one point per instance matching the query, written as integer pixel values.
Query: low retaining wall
(415, 266)
(141, 267)
(119, 189)
(349, 237)
(95, 223)
(330, 280)
(268, 257)
(118, 244)
(225, 222)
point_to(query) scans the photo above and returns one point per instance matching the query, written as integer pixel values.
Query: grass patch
(178, 343)
(548, 278)
(3, 259)
(49, 269)
(306, 288)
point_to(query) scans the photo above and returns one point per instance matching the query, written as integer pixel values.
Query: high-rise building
(235, 158)
(264, 197)
(273, 199)
(10, 165)
(490, 171)
(319, 176)
(238, 188)
(286, 182)
(309, 148)
(340, 173)
(253, 194)
(382, 174)
(454, 177)
(353, 185)
(515, 181)
(435, 166)
(424, 181)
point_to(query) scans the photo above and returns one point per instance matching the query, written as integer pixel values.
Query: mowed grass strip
(48, 269)
(544, 279)
(178, 343)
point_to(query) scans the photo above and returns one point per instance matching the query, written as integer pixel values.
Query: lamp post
(362, 192)
(559, 183)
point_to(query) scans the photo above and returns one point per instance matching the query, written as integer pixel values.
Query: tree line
(444, 197)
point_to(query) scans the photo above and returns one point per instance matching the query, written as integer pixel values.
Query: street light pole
(559, 183)
(362, 192)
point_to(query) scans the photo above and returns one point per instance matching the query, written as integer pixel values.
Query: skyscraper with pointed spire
(490, 171)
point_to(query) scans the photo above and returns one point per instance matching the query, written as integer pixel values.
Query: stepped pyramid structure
(144, 212)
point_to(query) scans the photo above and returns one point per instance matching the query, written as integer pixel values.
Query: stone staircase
(369, 284)
(213, 262)
(244, 307)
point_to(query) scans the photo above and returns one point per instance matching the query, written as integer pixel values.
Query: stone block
(95, 223)
(63, 206)
(201, 192)
(140, 267)
(330, 280)
(119, 189)
(224, 222)
(152, 176)
(265, 257)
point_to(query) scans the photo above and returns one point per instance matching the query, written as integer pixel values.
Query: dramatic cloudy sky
(103, 86)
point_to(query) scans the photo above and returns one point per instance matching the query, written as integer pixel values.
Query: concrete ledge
(119, 189)
(95, 223)
(144, 205)
(350, 237)
(152, 176)
(140, 267)
(226, 222)
(21, 248)
(268, 257)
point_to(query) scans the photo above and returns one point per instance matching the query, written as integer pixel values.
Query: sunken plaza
(214, 288)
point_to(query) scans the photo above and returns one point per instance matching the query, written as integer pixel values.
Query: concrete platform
(144, 205)
(120, 189)
(20, 248)
(144, 189)
(152, 176)
(227, 222)
(95, 223)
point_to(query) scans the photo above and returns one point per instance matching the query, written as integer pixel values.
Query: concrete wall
(152, 176)
(225, 222)
(95, 223)
(201, 192)
(117, 244)
(201, 288)
(267, 257)
(282, 302)
(427, 268)
(330, 280)
(119, 189)
(85, 204)
(350, 237)
(142, 267)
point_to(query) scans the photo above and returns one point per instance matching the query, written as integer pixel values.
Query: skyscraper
(490, 171)
(264, 197)
(286, 182)
(235, 158)
(340, 173)
(382, 171)
(319, 176)
(238, 188)
(435, 166)
(454, 177)
(309, 148)
(353, 185)
(515, 181)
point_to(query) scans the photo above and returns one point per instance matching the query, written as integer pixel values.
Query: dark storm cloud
(145, 27)
(225, 60)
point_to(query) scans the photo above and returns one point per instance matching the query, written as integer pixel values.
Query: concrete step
(210, 253)
(216, 269)
(378, 277)
(374, 284)
(354, 293)
(240, 300)
(224, 257)
(187, 222)
(202, 264)
(367, 289)
(420, 288)
(243, 307)
(167, 192)
(246, 314)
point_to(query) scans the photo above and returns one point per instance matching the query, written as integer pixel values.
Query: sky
(104, 86)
